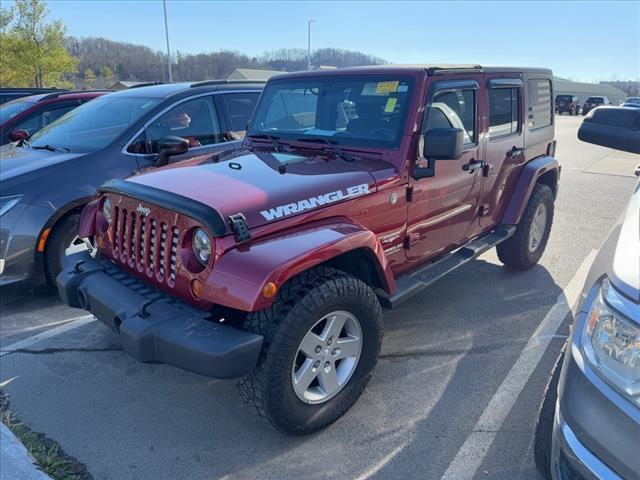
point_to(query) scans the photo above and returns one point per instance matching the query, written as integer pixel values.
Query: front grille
(145, 244)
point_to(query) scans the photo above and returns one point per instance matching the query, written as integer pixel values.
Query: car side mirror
(169, 147)
(439, 144)
(612, 127)
(18, 134)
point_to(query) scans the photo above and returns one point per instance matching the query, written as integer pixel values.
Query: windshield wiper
(332, 145)
(51, 148)
(274, 140)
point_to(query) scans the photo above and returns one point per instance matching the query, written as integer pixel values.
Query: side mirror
(443, 144)
(169, 147)
(440, 144)
(612, 127)
(18, 134)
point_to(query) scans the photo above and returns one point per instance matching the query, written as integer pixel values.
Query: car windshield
(594, 100)
(355, 110)
(563, 98)
(94, 125)
(14, 107)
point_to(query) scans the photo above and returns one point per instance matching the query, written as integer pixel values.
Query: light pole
(309, 22)
(166, 33)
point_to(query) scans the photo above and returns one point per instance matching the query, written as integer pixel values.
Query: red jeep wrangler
(356, 189)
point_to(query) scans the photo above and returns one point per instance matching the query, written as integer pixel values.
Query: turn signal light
(196, 288)
(269, 290)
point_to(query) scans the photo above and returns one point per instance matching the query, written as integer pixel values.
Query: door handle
(515, 152)
(473, 165)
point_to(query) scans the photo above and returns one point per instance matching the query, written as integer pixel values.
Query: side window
(454, 108)
(31, 124)
(51, 115)
(539, 105)
(196, 120)
(240, 107)
(44, 117)
(504, 112)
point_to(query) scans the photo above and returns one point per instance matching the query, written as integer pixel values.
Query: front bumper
(154, 327)
(597, 431)
(571, 460)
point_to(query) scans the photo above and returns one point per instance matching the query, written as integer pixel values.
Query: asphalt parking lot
(454, 395)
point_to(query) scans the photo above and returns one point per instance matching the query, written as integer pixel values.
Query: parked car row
(50, 175)
(268, 258)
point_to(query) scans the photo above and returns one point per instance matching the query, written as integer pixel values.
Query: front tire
(543, 437)
(322, 339)
(524, 249)
(63, 240)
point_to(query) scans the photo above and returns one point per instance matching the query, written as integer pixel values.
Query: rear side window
(240, 107)
(504, 112)
(454, 108)
(539, 105)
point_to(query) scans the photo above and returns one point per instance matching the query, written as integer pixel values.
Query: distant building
(562, 86)
(252, 74)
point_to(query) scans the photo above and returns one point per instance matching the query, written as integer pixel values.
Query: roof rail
(49, 96)
(205, 83)
(145, 84)
(448, 68)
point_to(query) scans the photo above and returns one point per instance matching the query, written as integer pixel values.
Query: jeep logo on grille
(143, 210)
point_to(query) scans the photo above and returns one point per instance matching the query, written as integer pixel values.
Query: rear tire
(543, 437)
(302, 310)
(523, 250)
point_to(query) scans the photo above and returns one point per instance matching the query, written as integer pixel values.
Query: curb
(15, 461)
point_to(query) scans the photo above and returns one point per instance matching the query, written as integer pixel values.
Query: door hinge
(409, 194)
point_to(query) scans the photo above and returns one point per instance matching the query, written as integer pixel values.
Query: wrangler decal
(313, 202)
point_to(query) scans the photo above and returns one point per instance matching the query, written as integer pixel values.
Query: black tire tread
(56, 240)
(514, 252)
(544, 427)
(315, 286)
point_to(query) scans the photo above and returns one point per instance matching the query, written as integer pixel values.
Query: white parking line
(470, 456)
(27, 342)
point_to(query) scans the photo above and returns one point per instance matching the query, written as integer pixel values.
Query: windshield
(594, 100)
(356, 110)
(14, 107)
(94, 125)
(563, 98)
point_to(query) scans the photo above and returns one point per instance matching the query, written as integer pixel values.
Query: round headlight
(201, 246)
(107, 210)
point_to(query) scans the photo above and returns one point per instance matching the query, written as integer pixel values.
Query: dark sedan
(24, 116)
(49, 178)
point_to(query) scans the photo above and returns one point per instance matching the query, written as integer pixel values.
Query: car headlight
(8, 202)
(107, 210)
(201, 246)
(611, 343)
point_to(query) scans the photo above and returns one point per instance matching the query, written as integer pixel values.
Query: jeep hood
(258, 186)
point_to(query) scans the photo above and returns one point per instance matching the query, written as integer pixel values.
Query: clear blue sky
(586, 41)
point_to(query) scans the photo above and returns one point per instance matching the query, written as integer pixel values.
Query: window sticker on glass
(402, 88)
(391, 104)
(369, 89)
(387, 87)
